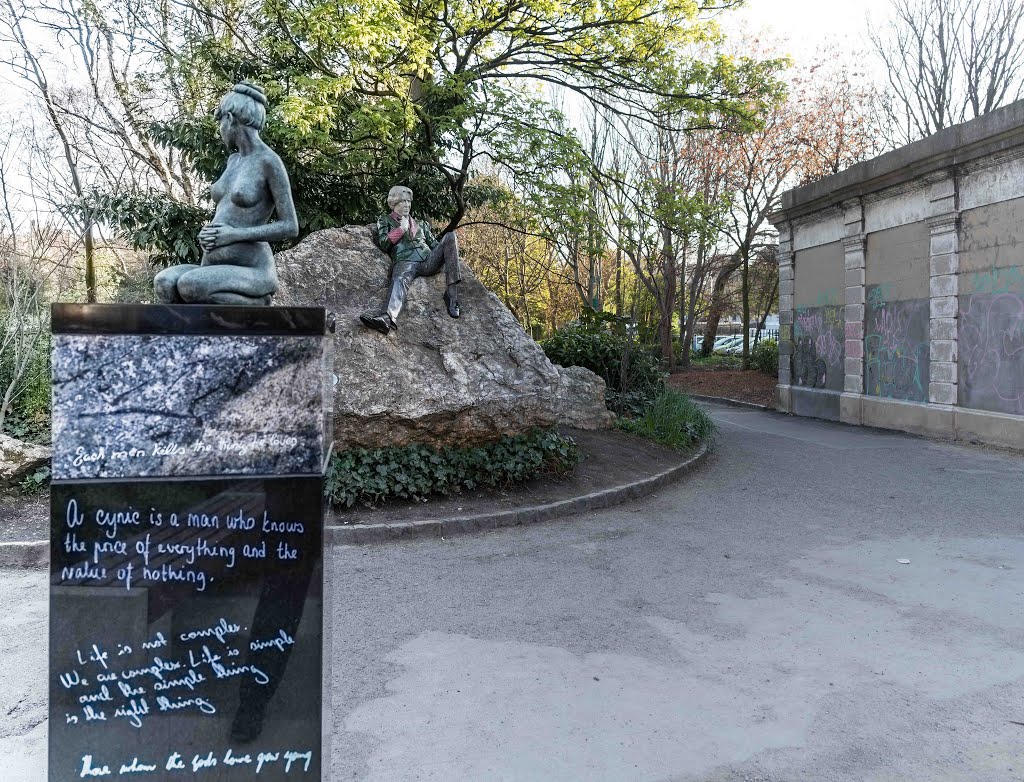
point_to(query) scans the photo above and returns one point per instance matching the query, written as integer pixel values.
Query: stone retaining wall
(901, 291)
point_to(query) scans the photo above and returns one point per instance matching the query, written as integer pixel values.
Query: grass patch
(715, 361)
(672, 419)
(369, 477)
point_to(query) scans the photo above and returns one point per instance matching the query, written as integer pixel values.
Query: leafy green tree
(371, 92)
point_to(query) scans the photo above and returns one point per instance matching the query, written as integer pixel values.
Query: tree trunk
(667, 307)
(717, 306)
(746, 311)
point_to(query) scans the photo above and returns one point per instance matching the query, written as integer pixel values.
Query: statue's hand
(217, 235)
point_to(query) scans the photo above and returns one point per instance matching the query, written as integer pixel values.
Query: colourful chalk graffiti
(818, 347)
(992, 352)
(1006, 279)
(896, 347)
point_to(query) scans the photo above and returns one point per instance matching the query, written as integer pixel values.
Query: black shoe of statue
(452, 304)
(381, 323)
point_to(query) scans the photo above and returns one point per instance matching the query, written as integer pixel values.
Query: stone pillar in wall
(944, 267)
(783, 401)
(854, 242)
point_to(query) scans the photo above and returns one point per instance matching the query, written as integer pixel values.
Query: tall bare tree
(949, 61)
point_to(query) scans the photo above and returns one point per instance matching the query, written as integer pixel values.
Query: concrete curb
(36, 554)
(29, 555)
(375, 533)
(724, 400)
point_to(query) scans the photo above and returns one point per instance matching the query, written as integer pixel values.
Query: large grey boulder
(19, 459)
(434, 380)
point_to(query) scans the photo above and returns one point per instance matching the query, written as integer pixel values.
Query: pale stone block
(785, 333)
(855, 348)
(784, 397)
(944, 219)
(944, 307)
(853, 260)
(943, 350)
(945, 263)
(786, 287)
(930, 420)
(941, 189)
(854, 294)
(946, 285)
(943, 328)
(786, 272)
(853, 384)
(978, 426)
(854, 330)
(854, 312)
(849, 407)
(785, 317)
(785, 348)
(785, 376)
(853, 366)
(942, 372)
(785, 302)
(945, 242)
(942, 393)
(854, 277)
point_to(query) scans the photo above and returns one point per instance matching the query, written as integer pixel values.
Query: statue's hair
(395, 195)
(247, 103)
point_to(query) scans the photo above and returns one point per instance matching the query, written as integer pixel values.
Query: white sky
(805, 26)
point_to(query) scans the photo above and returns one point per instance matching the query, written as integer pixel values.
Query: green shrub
(37, 481)
(601, 342)
(29, 415)
(765, 357)
(415, 471)
(672, 419)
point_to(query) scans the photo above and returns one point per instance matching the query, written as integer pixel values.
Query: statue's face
(226, 125)
(403, 207)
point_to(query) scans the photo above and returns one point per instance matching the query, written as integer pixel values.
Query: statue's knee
(190, 289)
(164, 287)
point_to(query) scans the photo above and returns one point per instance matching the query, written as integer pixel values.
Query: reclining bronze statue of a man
(414, 253)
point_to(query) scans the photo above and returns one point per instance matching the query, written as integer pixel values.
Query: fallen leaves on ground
(749, 386)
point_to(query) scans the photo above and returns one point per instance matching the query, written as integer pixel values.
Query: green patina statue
(414, 253)
(237, 265)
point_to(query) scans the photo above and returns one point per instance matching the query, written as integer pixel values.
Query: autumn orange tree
(827, 123)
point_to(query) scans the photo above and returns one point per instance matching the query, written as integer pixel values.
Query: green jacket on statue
(413, 245)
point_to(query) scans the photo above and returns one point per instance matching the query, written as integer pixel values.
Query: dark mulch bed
(749, 386)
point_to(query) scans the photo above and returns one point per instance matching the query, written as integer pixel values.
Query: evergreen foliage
(372, 476)
(602, 343)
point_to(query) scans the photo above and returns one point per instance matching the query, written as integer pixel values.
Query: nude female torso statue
(237, 265)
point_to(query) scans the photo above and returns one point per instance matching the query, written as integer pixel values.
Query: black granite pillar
(186, 542)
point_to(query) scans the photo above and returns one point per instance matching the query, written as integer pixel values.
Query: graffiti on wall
(818, 347)
(1008, 279)
(895, 346)
(992, 352)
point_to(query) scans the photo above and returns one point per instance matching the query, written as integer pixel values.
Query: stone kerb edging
(730, 402)
(36, 554)
(605, 498)
(28, 555)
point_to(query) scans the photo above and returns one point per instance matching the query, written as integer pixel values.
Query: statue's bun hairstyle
(247, 103)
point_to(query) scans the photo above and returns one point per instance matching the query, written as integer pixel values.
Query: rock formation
(434, 380)
(19, 459)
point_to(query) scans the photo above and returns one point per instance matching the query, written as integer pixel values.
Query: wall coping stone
(951, 148)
